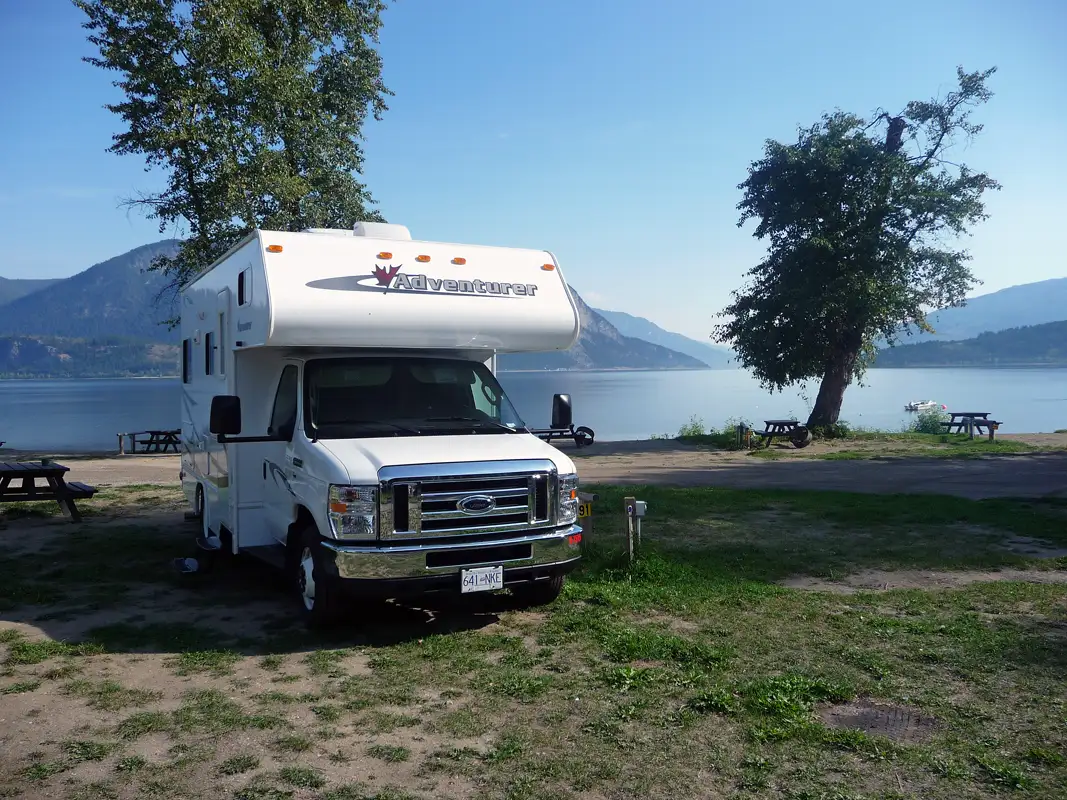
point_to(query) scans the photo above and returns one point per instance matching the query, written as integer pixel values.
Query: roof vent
(381, 230)
(329, 231)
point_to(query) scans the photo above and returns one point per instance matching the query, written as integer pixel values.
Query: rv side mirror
(561, 411)
(225, 415)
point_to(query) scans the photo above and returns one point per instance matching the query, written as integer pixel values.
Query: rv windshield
(399, 396)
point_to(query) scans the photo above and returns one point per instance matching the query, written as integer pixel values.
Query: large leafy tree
(253, 109)
(861, 218)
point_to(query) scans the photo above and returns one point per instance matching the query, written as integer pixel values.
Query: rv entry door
(279, 498)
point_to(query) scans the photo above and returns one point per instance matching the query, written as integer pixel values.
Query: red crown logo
(385, 275)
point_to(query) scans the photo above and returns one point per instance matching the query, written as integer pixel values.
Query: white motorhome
(341, 417)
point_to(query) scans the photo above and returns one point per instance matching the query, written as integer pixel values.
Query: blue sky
(612, 133)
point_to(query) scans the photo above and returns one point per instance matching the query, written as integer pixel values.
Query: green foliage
(929, 422)
(835, 430)
(695, 432)
(1026, 346)
(253, 110)
(857, 214)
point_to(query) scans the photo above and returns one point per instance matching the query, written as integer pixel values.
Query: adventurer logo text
(389, 279)
(392, 278)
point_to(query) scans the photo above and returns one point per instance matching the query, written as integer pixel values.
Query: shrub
(724, 438)
(695, 427)
(839, 430)
(929, 422)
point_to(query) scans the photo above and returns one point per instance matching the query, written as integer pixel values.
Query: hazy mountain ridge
(112, 298)
(1031, 345)
(715, 356)
(601, 346)
(12, 289)
(1015, 307)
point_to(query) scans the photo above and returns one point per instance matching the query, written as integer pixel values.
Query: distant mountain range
(1014, 307)
(715, 356)
(14, 288)
(1032, 345)
(113, 298)
(111, 357)
(601, 346)
(105, 321)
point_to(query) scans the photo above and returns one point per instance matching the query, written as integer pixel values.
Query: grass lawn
(699, 672)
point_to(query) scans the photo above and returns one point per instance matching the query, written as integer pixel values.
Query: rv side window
(244, 287)
(209, 353)
(187, 360)
(283, 416)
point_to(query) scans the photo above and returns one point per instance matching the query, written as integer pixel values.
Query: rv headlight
(568, 499)
(354, 511)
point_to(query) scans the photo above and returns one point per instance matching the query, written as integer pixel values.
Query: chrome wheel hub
(306, 578)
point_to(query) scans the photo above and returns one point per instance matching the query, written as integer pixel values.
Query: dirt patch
(900, 723)
(883, 580)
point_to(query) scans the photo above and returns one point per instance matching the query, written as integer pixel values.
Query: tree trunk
(835, 380)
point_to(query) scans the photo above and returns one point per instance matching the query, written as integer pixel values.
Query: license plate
(482, 579)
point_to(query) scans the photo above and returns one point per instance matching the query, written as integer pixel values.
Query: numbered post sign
(585, 512)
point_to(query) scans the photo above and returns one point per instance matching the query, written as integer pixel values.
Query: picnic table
(55, 487)
(154, 441)
(964, 421)
(789, 429)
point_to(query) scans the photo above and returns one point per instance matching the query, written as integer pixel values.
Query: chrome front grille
(436, 500)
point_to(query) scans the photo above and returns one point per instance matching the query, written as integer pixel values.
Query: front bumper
(430, 564)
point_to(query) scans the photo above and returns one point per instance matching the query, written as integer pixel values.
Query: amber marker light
(459, 261)
(548, 267)
(422, 259)
(383, 256)
(274, 248)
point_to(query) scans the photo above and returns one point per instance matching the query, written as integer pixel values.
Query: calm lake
(86, 414)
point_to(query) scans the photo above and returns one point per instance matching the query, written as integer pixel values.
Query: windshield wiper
(479, 420)
(359, 423)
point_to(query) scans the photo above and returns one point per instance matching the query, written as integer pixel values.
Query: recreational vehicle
(342, 420)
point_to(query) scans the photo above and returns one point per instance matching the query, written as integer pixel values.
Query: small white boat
(921, 405)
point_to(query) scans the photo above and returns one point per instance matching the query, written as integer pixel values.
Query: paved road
(1039, 475)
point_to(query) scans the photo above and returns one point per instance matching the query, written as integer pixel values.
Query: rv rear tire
(317, 592)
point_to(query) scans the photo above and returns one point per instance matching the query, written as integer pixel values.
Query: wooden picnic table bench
(56, 487)
(789, 429)
(155, 441)
(976, 420)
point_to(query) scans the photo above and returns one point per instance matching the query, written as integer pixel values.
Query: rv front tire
(317, 592)
(539, 593)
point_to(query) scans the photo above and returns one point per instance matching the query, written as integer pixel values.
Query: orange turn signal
(383, 256)
(274, 248)
(422, 259)
(338, 508)
(548, 267)
(459, 261)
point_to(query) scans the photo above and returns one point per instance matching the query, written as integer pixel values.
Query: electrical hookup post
(635, 511)
(585, 513)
